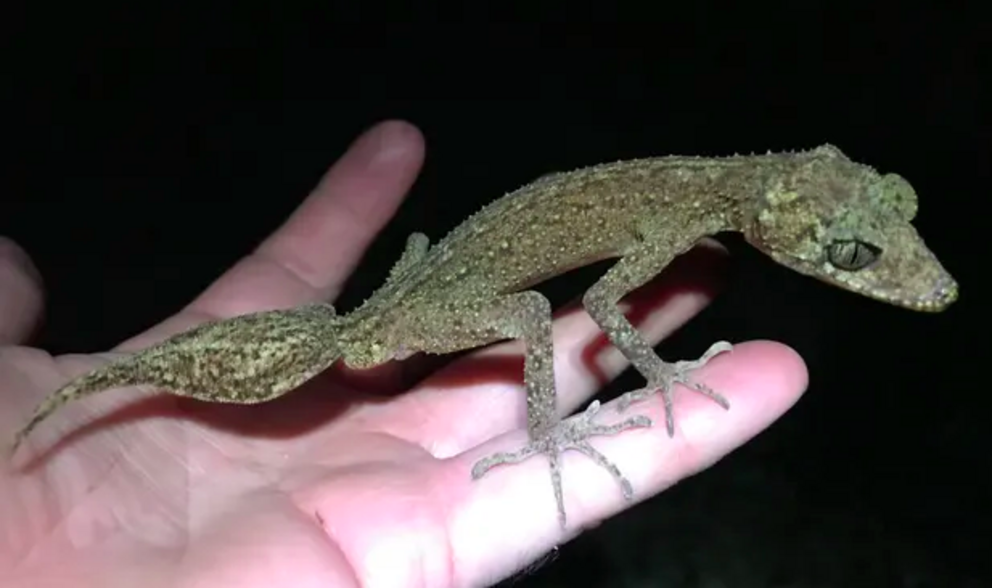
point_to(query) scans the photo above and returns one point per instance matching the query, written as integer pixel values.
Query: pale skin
(339, 484)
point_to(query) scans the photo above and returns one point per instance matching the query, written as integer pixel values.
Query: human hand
(338, 483)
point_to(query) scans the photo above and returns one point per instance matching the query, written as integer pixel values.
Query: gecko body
(816, 212)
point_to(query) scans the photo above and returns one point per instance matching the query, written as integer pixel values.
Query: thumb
(21, 294)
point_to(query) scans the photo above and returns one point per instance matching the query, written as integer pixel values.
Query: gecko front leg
(527, 316)
(632, 271)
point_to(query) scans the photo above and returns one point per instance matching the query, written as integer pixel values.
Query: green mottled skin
(816, 212)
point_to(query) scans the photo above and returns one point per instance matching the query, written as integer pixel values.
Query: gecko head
(848, 225)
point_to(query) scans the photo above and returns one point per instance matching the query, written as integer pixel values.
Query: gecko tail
(112, 375)
(246, 359)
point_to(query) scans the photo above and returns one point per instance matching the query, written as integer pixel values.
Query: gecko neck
(711, 195)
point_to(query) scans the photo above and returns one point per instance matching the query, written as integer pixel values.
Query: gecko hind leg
(571, 433)
(664, 378)
(526, 316)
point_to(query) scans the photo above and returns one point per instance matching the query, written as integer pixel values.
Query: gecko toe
(669, 374)
(570, 434)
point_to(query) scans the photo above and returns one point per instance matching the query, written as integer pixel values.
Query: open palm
(347, 481)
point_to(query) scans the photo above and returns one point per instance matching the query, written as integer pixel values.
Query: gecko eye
(852, 255)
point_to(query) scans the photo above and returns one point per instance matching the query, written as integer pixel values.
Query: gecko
(815, 211)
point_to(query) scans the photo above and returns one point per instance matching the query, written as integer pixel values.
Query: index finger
(515, 503)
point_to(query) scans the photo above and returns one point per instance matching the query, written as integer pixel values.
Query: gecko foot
(571, 433)
(677, 373)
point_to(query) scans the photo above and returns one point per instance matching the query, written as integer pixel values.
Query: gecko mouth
(943, 293)
(924, 293)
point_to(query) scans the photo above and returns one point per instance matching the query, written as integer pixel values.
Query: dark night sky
(147, 154)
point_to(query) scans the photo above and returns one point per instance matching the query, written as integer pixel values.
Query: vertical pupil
(852, 255)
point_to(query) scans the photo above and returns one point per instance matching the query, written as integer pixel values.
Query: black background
(147, 152)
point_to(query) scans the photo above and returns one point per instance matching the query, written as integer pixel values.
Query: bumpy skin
(816, 212)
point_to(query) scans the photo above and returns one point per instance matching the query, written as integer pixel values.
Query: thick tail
(243, 360)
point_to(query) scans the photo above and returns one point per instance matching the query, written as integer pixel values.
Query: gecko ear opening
(896, 194)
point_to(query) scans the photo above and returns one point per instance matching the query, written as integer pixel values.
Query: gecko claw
(571, 433)
(677, 373)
